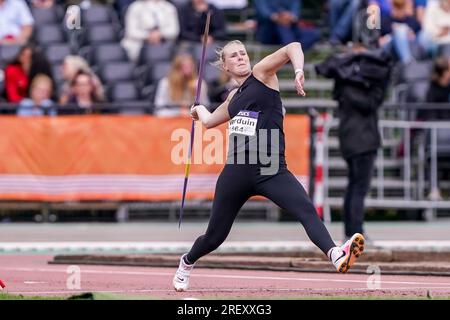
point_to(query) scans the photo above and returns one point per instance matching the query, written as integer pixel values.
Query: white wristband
(298, 70)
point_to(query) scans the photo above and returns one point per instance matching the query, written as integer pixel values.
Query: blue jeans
(342, 13)
(266, 32)
(400, 44)
(271, 33)
(122, 6)
(307, 37)
(428, 44)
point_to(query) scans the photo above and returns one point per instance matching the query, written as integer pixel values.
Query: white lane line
(181, 246)
(204, 275)
(202, 290)
(34, 282)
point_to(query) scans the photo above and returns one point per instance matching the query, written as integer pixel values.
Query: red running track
(32, 275)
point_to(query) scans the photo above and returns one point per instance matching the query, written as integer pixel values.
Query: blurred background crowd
(126, 51)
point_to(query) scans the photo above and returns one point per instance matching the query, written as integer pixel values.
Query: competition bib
(244, 123)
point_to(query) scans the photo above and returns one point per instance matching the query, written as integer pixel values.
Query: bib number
(244, 123)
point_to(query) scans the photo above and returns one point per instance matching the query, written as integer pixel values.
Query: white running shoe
(181, 278)
(344, 256)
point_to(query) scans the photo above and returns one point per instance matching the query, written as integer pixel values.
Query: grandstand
(401, 181)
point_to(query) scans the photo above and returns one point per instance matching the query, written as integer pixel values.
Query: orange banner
(120, 157)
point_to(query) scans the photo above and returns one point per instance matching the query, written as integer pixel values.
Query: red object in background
(2, 284)
(306, 24)
(16, 83)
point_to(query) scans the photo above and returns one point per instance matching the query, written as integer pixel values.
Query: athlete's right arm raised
(219, 116)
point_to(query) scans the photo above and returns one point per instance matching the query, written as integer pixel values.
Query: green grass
(84, 296)
(6, 296)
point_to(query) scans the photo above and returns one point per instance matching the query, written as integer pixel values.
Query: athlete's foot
(181, 278)
(344, 256)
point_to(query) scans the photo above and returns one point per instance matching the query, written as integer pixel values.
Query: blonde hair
(78, 63)
(41, 78)
(221, 55)
(178, 82)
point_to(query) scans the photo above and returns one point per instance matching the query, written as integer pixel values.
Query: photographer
(360, 84)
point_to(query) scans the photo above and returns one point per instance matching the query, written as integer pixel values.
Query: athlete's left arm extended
(266, 69)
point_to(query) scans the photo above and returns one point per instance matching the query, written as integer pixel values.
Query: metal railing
(419, 141)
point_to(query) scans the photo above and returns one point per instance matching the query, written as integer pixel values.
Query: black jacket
(360, 86)
(192, 23)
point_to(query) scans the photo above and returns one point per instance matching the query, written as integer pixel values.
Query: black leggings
(236, 184)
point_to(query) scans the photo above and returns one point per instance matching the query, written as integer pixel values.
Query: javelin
(197, 98)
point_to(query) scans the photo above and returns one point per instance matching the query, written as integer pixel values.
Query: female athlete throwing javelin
(256, 112)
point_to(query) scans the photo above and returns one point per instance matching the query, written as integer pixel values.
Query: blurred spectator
(176, 92)
(39, 103)
(16, 22)
(87, 3)
(193, 19)
(42, 3)
(384, 5)
(439, 90)
(278, 23)
(436, 24)
(20, 72)
(82, 91)
(16, 75)
(153, 21)
(342, 13)
(419, 10)
(229, 4)
(69, 69)
(400, 30)
(121, 6)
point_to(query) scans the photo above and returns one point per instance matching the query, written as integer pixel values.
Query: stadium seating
(117, 71)
(49, 34)
(43, 16)
(57, 52)
(125, 91)
(210, 53)
(7, 53)
(155, 53)
(99, 14)
(109, 52)
(159, 71)
(101, 33)
(57, 74)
